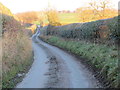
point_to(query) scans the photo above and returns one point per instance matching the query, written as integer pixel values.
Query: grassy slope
(67, 18)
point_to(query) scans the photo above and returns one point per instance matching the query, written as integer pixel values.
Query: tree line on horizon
(95, 11)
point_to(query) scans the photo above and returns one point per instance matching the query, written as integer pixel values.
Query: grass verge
(103, 59)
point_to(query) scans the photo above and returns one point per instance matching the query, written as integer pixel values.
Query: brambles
(114, 28)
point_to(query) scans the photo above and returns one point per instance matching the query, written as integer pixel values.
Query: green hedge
(88, 31)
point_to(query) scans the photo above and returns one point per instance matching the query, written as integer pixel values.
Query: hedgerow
(16, 49)
(101, 30)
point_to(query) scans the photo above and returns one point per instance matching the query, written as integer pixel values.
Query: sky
(17, 6)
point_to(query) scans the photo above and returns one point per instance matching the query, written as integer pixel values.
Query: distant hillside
(65, 18)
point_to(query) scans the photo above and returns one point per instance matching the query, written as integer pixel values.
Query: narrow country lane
(54, 68)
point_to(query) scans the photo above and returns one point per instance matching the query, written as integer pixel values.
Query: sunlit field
(67, 18)
(64, 18)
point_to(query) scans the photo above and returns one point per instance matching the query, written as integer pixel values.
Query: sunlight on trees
(27, 17)
(41, 17)
(96, 10)
(52, 16)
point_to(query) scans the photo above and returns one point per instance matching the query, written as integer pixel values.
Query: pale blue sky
(17, 6)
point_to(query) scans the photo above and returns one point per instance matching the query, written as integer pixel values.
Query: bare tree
(104, 5)
(100, 5)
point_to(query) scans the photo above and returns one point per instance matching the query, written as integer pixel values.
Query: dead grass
(16, 48)
(17, 51)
